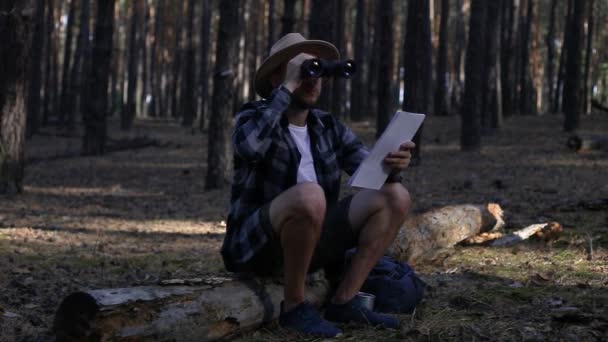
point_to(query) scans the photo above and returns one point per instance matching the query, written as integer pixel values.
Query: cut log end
(73, 317)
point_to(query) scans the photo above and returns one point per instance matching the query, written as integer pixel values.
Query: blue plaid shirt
(266, 161)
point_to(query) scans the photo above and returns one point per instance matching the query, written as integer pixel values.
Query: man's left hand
(399, 160)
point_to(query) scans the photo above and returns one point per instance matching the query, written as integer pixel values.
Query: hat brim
(319, 48)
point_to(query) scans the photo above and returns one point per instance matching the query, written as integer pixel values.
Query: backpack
(394, 283)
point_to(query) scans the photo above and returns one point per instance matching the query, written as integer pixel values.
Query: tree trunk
(177, 61)
(417, 61)
(490, 110)
(50, 89)
(85, 65)
(97, 98)
(338, 90)
(289, 16)
(385, 74)
(218, 158)
(199, 309)
(143, 107)
(128, 114)
(189, 71)
(470, 135)
(35, 77)
(374, 61)
(558, 104)
(441, 104)
(550, 41)
(359, 95)
(271, 24)
(205, 46)
(507, 54)
(67, 97)
(459, 48)
(589, 51)
(77, 71)
(321, 26)
(526, 94)
(16, 25)
(572, 82)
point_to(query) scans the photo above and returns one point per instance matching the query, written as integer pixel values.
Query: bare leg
(379, 215)
(297, 215)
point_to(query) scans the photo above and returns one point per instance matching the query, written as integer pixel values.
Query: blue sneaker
(305, 319)
(352, 311)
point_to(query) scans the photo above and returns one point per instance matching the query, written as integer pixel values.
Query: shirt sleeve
(352, 151)
(254, 127)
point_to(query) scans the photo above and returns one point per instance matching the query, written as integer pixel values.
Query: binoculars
(316, 68)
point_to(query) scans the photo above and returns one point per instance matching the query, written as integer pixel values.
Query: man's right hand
(293, 72)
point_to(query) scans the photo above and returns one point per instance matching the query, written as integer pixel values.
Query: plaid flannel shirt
(266, 161)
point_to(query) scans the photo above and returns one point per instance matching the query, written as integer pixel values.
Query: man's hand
(400, 159)
(293, 72)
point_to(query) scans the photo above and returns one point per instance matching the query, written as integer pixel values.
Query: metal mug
(366, 300)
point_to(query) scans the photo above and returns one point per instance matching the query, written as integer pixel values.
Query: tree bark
(289, 16)
(359, 95)
(588, 52)
(205, 46)
(271, 24)
(77, 71)
(96, 107)
(321, 26)
(50, 87)
(189, 71)
(16, 25)
(572, 82)
(526, 93)
(385, 68)
(441, 104)
(490, 111)
(417, 64)
(338, 86)
(507, 54)
(561, 70)
(550, 42)
(178, 49)
(67, 97)
(460, 41)
(218, 158)
(128, 113)
(35, 77)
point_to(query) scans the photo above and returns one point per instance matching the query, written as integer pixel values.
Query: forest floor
(136, 216)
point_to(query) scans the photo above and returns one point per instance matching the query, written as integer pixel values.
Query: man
(285, 214)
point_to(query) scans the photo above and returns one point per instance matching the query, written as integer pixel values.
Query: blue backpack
(395, 284)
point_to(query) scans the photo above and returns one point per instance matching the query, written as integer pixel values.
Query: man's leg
(378, 214)
(297, 216)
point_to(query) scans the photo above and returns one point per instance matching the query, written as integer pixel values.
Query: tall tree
(66, 95)
(508, 43)
(16, 24)
(76, 78)
(50, 86)
(218, 157)
(588, 52)
(96, 109)
(339, 86)
(417, 64)
(561, 70)
(271, 23)
(526, 93)
(460, 43)
(320, 27)
(491, 114)
(550, 64)
(358, 96)
(189, 70)
(441, 104)
(128, 114)
(205, 46)
(289, 16)
(385, 69)
(470, 134)
(572, 81)
(35, 77)
(177, 61)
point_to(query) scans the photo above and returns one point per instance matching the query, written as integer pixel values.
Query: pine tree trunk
(177, 62)
(35, 77)
(507, 54)
(359, 85)
(218, 158)
(457, 86)
(321, 26)
(205, 46)
(559, 89)
(525, 81)
(85, 65)
(189, 71)
(77, 70)
(374, 61)
(441, 105)
(49, 87)
(338, 90)
(417, 65)
(385, 74)
(271, 24)
(289, 16)
(550, 65)
(145, 62)
(16, 25)
(128, 114)
(96, 107)
(588, 52)
(66, 95)
(489, 111)
(470, 135)
(572, 81)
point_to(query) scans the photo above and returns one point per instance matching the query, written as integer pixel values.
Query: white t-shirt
(306, 169)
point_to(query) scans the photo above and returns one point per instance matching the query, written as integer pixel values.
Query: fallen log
(423, 236)
(596, 104)
(202, 309)
(543, 231)
(205, 309)
(587, 143)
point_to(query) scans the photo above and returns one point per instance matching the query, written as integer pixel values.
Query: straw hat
(286, 48)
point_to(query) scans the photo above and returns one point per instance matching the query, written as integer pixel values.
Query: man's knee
(307, 202)
(398, 199)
